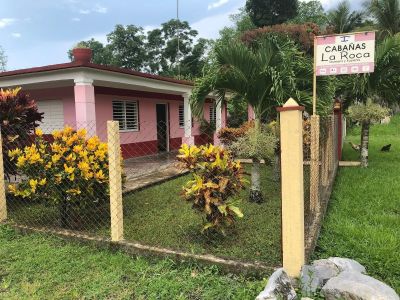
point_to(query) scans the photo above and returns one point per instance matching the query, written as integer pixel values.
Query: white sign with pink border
(345, 54)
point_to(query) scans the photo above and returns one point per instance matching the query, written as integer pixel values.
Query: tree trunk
(364, 143)
(277, 163)
(255, 191)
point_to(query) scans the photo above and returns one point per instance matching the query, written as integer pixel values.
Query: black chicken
(386, 148)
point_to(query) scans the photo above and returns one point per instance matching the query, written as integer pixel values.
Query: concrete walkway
(145, 171)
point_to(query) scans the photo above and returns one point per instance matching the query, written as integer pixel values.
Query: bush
(256, 144)
(71, 171)
(18, 118)
(216, 179)
(229, 135)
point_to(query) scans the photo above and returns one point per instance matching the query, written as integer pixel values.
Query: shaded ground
(363, 220)
(41, 267)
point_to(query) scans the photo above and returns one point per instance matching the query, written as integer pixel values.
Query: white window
(126, 113)
(181, 116)
(53, 115)
(213, 114)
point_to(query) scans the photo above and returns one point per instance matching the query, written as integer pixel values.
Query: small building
(153, 111)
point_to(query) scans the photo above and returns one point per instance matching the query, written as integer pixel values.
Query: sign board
(350, 53)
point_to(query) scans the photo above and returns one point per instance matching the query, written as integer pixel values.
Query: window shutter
(126, 112)
(181, 116)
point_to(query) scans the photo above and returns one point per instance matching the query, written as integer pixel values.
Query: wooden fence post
(115, 173)
(291, 124)
(314, 166)
(3, 201)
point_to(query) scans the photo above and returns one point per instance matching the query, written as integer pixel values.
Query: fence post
(291, 126)
(115, 172)
(3, 201)
(314, 166)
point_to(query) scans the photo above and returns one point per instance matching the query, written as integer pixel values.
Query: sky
(40, 32)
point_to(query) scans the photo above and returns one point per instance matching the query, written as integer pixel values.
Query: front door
(162, 127)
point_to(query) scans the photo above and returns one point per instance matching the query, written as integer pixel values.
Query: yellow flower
(74, 191)
(71, 176)
(68, 170)
(82, 133)
(55, 147)
(21, 161)
(34, 158)
(12, 188)
(78, 148)
(55, 158)
(70, 157)
(33, 184)
(100, 154)
(83, 166)
(92, 143)
(43, 181)
(9, 92)
(56, 134)
(72, 140)
(48, 165)
(15, 152)
(39, 132)
(99, 175)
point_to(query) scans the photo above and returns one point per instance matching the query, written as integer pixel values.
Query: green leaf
(236, 210)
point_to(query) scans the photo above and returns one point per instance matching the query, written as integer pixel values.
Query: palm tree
(387, 15)
(265, 76)
(343, 20)
(381, 86)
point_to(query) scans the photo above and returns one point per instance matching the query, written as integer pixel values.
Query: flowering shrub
(70, 171)
(216, 179)
(18, 118)
(229, 135)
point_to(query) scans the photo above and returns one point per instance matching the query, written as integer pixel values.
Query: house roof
(78, 64)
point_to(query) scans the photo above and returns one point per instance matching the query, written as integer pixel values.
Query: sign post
(340, 54)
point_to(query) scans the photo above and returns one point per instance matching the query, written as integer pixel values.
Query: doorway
(162, 127)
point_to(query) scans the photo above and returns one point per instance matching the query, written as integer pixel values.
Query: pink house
(153, 111)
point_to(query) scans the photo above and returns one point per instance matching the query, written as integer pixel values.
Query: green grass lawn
(363, 220)
(158, 216)
(41, 267)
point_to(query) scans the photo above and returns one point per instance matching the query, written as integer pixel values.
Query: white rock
(356, 286)
(347, 264)
(279, 287)
(325, 269)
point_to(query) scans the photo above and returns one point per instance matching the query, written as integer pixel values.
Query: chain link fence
(320, 166)
(130, 183)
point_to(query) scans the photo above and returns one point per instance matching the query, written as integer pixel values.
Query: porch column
(218, 122)
(85, 110)
(187, 116)
(250, 113)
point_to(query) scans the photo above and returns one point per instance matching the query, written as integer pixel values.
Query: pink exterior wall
(65, 94)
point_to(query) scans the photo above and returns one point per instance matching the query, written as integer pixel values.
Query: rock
(347, 264)
(315, 276)
(356, 286)
(279, 286)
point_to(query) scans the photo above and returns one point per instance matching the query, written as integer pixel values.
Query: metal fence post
(291, 125)
(314, 167)
(3, 201)
(115, 173)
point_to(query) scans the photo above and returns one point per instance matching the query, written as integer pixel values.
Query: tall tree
(265, 76)
(343, 19)
(127, 44)
(387, 15)
(172, 51)
(311, 12)
(3, 60)
(102, 55)
(271, 12)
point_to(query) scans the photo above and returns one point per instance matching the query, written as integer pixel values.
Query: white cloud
(217, 4)
(218, 22)
(100, 9)
(16, 35)
(6, 22)
(84, 11)
(75, 19)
